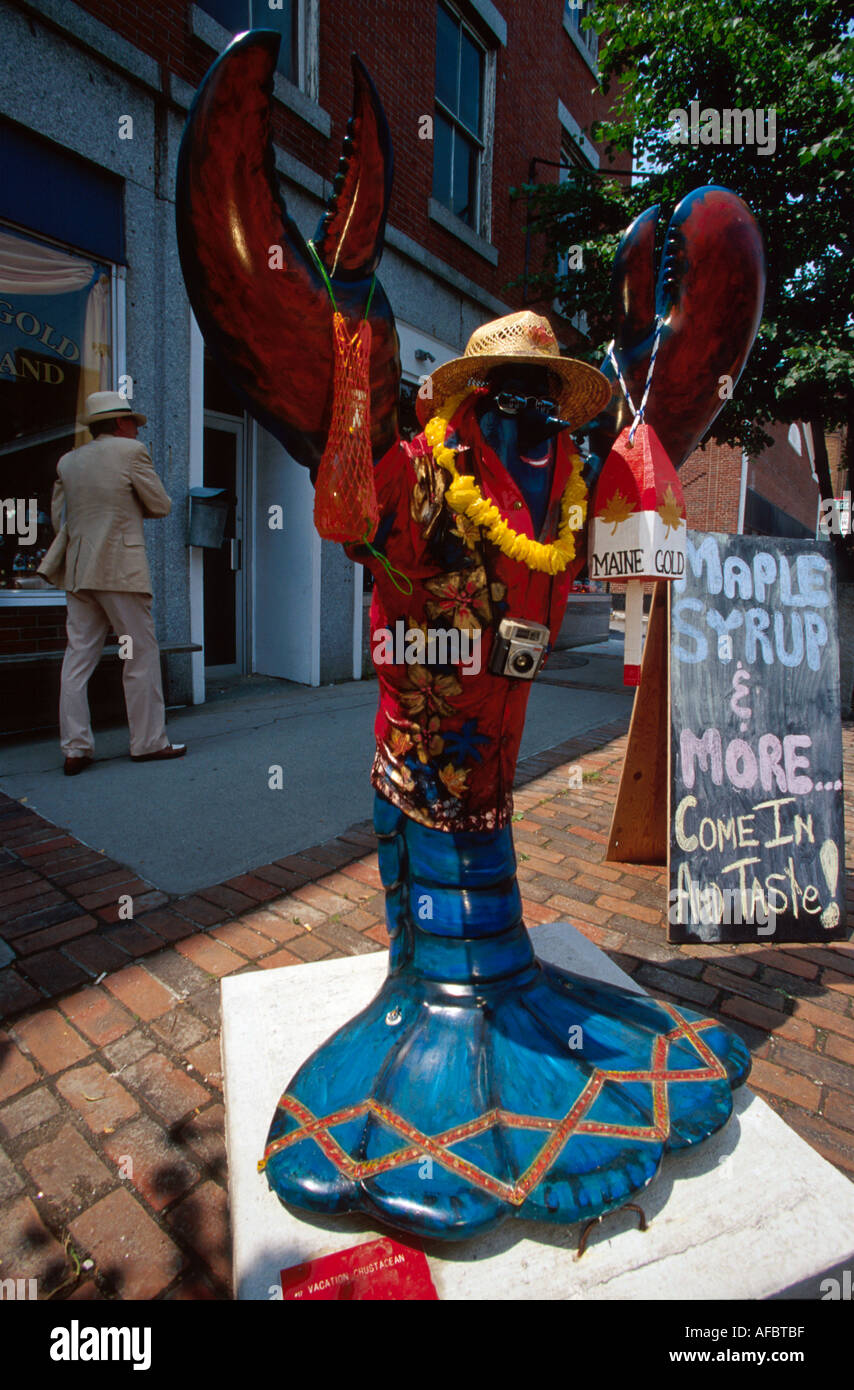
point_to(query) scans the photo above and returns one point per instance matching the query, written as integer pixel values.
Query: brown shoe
(172, 750)
(76, 764)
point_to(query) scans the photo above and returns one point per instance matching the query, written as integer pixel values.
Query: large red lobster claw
(257, 294)
(708, 301)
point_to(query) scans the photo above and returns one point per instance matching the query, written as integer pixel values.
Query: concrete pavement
(213, 815)
(110, 1049)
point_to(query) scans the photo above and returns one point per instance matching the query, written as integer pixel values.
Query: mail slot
(208, 515)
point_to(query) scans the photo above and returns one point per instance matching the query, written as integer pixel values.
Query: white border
(573, 129)
(315, 563)
(493, 21)
(592, 63)
(32, 598)
(303, 102)
(196, 384)
(358, 618)
(742, 493)
(247, 554)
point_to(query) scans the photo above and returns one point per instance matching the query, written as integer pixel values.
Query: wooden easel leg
(639, 823)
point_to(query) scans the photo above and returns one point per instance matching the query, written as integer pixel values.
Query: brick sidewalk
(112, 1167)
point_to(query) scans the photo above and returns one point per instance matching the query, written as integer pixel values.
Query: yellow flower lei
(465, 497)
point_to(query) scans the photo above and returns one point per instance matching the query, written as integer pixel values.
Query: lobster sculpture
(534, 1093)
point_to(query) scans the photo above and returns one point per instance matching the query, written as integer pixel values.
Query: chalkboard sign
(755, 778)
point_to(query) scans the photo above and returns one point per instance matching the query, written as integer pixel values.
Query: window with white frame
(458, 137)
(574, 11)
(281, 15)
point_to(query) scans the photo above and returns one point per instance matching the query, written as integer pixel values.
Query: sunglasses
(510, 404)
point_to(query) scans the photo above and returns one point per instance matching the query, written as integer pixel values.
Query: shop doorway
(224, 586)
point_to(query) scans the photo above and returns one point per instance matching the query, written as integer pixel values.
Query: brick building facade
(777, 493)
(93, 100)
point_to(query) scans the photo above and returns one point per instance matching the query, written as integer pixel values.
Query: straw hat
(109, 405)
(523, 337)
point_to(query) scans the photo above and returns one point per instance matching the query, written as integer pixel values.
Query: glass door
(225, 467)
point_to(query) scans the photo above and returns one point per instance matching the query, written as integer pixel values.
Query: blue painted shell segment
(464, 911)
(480, 1083)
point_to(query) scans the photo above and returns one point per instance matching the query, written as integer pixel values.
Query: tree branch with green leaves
(789, 58)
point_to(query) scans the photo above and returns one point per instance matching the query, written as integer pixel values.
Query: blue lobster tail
(480, 1084)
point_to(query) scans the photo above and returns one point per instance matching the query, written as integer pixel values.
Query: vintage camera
(518, 649)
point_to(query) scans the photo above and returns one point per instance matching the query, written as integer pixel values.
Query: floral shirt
(447, 729)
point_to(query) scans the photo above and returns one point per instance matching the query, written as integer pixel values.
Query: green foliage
(795, 58)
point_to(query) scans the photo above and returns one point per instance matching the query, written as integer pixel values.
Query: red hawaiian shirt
(448, 731)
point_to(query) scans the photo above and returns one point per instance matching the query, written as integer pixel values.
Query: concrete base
(752, 1213)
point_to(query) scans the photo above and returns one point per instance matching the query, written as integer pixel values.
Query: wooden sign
(755, 778)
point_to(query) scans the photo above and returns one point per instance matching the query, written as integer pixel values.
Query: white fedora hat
(109, 405)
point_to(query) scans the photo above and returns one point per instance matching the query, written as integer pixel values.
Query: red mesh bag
(345, 499)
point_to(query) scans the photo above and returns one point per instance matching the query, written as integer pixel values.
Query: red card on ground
(379, 1269)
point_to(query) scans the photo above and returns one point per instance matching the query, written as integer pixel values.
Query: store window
(283, 16)
(458, 144)
(55, 348)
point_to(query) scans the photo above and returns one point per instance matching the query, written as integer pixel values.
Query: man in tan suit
(104, 489)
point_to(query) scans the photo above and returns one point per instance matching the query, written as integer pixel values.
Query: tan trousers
(91, 614)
